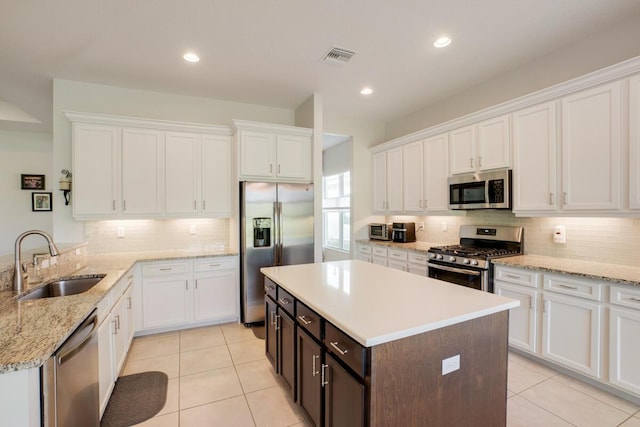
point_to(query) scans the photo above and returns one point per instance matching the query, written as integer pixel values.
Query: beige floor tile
(256, 375)
(232, 412)
(173, 394)
(531, 364)
(168, 420)
(631, 422)
(572, 405)
(205, 359)
(154, 346)
(207, 387)
(522, 413)
(616, 402)
(273, 407)
(247, 351)
(197, 338)
(169, 364)
(521, 377)
(237, 332)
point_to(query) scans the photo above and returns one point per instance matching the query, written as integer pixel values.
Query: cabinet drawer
(162, 269)
(568, 286)
(364, 249)
(104, 307)
(270, 288)
(627, 297)
(419, 270)
(379, 252)
(309, 320)
(214, 264)
(346, 349)
(521, 277)
(417, 259)
(397, 255)
(286, 301)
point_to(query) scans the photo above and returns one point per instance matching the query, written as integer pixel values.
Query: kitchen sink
(64, 287)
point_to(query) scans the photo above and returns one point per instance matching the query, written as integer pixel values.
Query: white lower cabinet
(523, 320)
(363, 252)
(187, 293)
(624, 346)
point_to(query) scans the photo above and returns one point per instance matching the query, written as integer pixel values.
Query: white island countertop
(375, 304)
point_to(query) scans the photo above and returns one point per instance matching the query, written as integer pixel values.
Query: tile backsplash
(611, 240)
(156, 235)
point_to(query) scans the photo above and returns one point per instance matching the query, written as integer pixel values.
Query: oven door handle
(454, 270)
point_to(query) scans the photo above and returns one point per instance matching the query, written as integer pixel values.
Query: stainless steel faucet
(19, 271)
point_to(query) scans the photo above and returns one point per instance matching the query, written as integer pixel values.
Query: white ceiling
(268, 51)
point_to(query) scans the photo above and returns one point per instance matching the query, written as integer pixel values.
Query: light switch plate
(450, 364)
(559, 234)
(120, 231)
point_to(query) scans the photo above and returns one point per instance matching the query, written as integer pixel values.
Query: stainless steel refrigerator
(276, 228)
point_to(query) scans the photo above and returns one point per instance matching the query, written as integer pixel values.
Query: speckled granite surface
(421, 247)
(612, 273)
(30, 331)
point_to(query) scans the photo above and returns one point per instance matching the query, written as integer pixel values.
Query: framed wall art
(40, 202)
(31, 182)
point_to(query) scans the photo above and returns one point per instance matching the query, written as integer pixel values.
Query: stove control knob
(474, 262)
(452, 259)
(438, 256)
(432, 256)
(466, 261)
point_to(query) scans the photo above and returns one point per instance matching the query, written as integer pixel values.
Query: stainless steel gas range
(468, 264)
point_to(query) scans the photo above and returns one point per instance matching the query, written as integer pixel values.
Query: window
(336, 213)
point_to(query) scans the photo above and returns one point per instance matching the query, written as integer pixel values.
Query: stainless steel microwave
(380, 231)
(481, 190)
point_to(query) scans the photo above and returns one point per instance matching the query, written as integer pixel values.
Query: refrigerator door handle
(276, 227)
(280, 235)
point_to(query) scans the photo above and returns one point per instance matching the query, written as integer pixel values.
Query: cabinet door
(571, 333)
(412, 179)
(257, 155)
(105, 361)
(591, 143)
(309, 388)
(271, 332)
(523, 320)
(462, 150)
(164, 302)
(344, 396)
(130, 321)
(142, 171)
(494, 144)
(287, 350)
(394, 180)
(380, 182)
(634, 143)
(216, 295)
(181, 172)
(216, 175)
(624, 349)
(436, 172)
(293, 154)
(535, 153)
(95, 183)
(119, 313)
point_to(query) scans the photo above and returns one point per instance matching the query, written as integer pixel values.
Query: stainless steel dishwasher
(70, 379)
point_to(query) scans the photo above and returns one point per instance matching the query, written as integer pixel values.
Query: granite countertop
(354, 295)
(420, 247)
(612, 273)
(31, 331)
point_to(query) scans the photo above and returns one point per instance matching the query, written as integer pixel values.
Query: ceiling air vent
(337, 56)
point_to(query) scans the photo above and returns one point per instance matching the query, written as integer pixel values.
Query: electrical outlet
(450, 364)
(444, 226)
(192, 229)
(120, 232)
(78, 251)
(420, 226)
(53, 260)
(44, 263)
(559, 234)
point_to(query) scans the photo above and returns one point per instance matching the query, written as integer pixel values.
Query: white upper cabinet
(273, 152)
(379, 182)
(436, 171)
(413, 172)
(387, 181)
(96, 170)
(534, 159)
(591, 144)
(142, 171)
(479, 147)
(634, 143)
(216, 181)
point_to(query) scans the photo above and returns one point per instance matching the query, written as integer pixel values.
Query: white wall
(93, 98)
(24, 153)
(589, 54)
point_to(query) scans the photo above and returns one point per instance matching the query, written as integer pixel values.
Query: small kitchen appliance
(378, 231)
(468, 264)
(403, 232)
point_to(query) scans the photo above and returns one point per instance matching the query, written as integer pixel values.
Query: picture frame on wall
(31, 182)
(41, 202)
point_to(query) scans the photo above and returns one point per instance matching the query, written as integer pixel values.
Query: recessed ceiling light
(191, 57)
(366, 91)
(442, 42)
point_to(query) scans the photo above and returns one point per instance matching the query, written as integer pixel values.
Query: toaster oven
(379, 231)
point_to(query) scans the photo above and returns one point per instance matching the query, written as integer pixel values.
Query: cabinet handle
(195, 205)
(323, 377)
(283, 301)
(512, 276)
(268, 288)
(271, 313)
(276, 324)
(420, 204)
(304, 320)
(278, 168)
(118, 322)
(204, 204)
(334, 344)
(166, 269)
(113, 205)
(634, 299)
(564, 198)
(479, 161)
(124, 205)
(129, 303)
(426, 203)
(313, 365)
(562, 285)
(115, 327)
(471, 162)
(551, 199)
(270, 167)
(186, 285)
(214, 265)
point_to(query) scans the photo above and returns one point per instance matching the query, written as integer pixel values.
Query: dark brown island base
(363, 345)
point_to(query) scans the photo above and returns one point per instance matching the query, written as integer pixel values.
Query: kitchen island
(432, 353)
